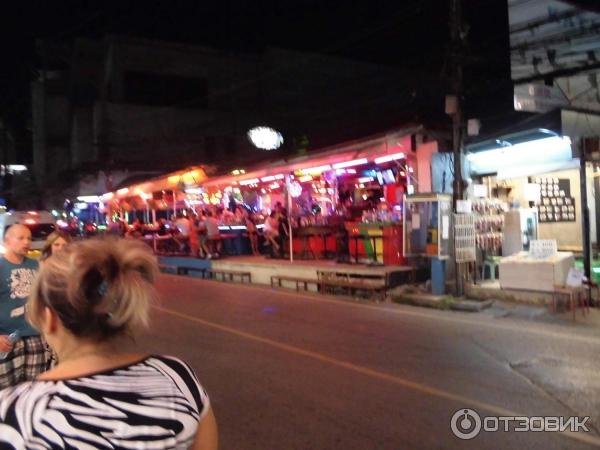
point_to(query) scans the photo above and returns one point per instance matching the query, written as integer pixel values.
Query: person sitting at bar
(271, 233)
(194, 237)
(283, 228)
(182, 231)
(213, 237)
(240, 215)
(201, 232)
(252, 233)
(227, 217)
(162, 229)
(342, 238)
(135, 230)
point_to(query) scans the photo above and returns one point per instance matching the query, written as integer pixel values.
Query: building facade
(126, 106)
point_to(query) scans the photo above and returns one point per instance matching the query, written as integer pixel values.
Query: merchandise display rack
(464, 238)
(489, 223)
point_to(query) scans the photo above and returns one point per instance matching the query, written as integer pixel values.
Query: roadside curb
(424, 300)
(471, 305)
(443, 302)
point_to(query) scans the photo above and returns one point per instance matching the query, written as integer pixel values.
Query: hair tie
(103, 288)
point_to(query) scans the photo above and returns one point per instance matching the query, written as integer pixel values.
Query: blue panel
(183, 261)
(438, 276)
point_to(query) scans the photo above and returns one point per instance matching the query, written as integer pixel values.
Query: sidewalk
(500, 309)
(497, 309)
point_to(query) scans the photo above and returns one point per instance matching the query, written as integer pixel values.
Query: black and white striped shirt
(155, 403)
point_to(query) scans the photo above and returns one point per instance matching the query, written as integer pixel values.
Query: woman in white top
(271, 230)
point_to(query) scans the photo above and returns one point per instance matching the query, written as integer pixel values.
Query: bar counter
(379, 241)
(382, 241)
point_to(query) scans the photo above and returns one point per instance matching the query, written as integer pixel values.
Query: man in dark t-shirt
(27, 356)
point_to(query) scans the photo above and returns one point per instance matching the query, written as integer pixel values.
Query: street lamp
(265, 138)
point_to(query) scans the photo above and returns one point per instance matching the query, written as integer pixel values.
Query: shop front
(148, 209)
(525, 193)
(336, 213)
(343, 204)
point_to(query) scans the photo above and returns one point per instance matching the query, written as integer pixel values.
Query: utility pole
(457, 35)
(456, 49)
(585, 210)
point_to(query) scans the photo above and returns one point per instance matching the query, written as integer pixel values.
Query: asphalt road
(300, 371)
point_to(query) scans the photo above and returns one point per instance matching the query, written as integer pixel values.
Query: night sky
(408, 34)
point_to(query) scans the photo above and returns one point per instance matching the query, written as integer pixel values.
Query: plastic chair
(492, 265)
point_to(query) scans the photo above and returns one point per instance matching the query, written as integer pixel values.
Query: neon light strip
(279, 176)
(250, 181)
(316, 170)
(89, 198)
(387, 158)
(354, 162)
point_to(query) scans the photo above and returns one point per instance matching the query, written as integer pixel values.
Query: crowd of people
(195, 232)
(65, 380)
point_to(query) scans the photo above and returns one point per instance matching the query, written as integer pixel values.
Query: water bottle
(12, 337)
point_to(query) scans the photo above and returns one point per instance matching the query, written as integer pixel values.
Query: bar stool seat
(356, 237)
(373, 239)
(307, 252)
(326, 253)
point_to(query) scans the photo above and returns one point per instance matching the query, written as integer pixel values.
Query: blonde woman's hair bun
(99, 288)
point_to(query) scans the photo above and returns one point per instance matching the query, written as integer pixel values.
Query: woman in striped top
(84, 300)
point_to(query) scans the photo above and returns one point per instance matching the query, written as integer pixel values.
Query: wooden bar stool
(355, 237)
(374, 239)
(577, 296)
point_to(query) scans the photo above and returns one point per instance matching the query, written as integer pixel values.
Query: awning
(525, 153)
(536, 169)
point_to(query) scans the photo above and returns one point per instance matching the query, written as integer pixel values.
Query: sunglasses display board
(556, 203)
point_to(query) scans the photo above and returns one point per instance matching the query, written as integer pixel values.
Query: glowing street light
(265, 138)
